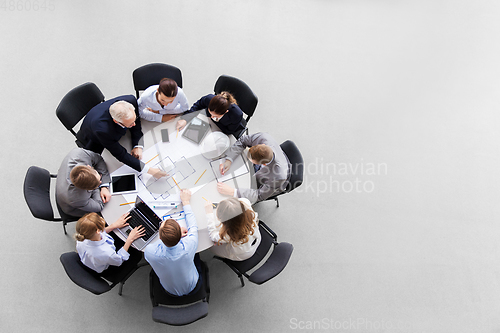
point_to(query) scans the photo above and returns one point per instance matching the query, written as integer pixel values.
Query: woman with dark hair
(222, 109)
(162, 102)
(234, 229)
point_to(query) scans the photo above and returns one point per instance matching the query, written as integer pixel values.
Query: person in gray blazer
(82, 183)
(272, 168)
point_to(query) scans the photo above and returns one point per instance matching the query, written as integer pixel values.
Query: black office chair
(247, 100)
(76, 104)
(88, 279)
(37, 195)
(170, 309)
(297, 169)
(151, 74)
(276, 262)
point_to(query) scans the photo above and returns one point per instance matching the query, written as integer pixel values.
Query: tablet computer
(196, 130)
(123, 184)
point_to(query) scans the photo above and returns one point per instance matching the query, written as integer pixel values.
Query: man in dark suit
(107, 122)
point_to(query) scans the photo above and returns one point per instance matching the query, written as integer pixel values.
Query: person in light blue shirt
(172, 257)
(97, 248)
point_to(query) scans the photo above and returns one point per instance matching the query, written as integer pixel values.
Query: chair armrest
(269, 230)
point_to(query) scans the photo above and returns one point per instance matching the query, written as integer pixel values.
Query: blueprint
(183, 163)
(165, 187)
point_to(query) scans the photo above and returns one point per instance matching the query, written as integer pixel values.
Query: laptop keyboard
(135, 220)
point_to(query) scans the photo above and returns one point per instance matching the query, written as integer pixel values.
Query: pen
(127, 203)
(172, 216)
(168, 205)
(177, 133)
(165, 217)
(222, 171)
(176, 183)
(152, 159)
(209, 201)
(200, 176)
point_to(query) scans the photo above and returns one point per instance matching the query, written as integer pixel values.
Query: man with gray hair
(107, 122)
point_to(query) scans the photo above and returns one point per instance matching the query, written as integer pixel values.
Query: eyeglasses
(132, 125)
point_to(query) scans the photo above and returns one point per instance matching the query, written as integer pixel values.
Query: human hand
(122, 221)
(157, 173)
(180, 124)
(105, 194)
(136, 152)
(185, 196)
(154, 111)
(184, 232)
(136, 233)
(168, 117)
(209, 207)
(225, 166)
(225, 189)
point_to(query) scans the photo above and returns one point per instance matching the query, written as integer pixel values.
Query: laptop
(141, 214)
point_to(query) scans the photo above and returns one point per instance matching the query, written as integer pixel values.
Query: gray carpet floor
(394, 105)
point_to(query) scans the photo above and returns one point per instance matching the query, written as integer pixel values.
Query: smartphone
(164, 135)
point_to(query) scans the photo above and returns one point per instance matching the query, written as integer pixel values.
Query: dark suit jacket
(231, 123)
(100, 131)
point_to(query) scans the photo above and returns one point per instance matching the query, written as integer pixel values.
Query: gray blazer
(272, 178)
(75, 201)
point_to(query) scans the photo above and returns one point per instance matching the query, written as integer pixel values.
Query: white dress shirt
(98, 255)
(148, 100)
(228, 249)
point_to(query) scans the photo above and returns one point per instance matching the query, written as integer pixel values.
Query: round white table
(152, 134)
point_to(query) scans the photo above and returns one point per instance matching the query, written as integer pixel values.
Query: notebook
(141, 214)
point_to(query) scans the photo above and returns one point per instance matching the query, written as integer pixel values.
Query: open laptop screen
(147, 212)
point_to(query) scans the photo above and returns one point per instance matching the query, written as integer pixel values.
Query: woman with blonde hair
(96, 247)
(222, 109)
(234, 228)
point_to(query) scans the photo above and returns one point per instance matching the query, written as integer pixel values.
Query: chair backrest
(77, 103)
(83, 276)
(247, 100)
(178, 316)
(295, 158)
(274, 264)
(151, 74)
(37, 193)
(265, 244)
(158, 294)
